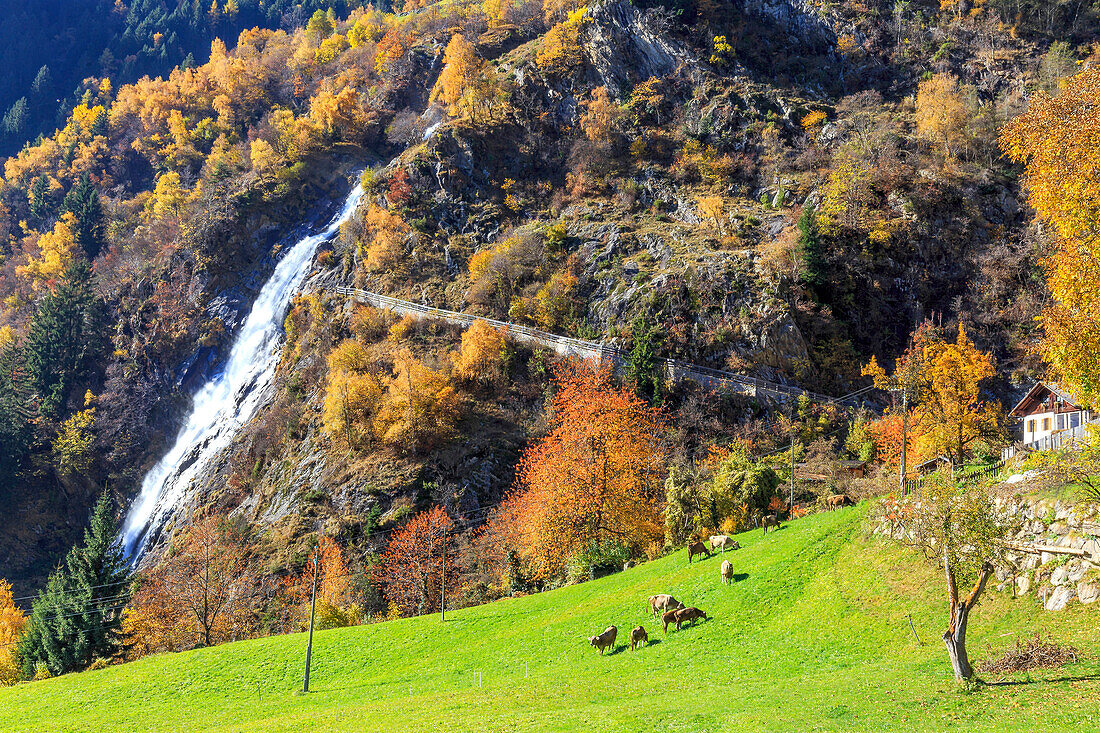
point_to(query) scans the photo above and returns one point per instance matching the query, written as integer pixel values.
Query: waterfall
(228, 399)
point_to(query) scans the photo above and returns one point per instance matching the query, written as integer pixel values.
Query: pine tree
(643, 360)
(78, 617)
(83, 201)
(810, 250)
(65, 338)
(16, 413)
(38, 198)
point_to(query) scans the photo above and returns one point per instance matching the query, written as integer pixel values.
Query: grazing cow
(606, 640)
(835, 502)
(770, 520)
(685, 615)
(669, 617)
(638, 637)
(697, 548)
(663, 602)
(724, 541)
(727, 571)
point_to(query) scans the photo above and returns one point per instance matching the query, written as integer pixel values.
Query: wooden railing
(566, 346)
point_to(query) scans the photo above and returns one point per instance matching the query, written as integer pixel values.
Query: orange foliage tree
(201, 593)
(596, 476)
(1056, 139)
(411, 570)
(944, 380)
(336, 604)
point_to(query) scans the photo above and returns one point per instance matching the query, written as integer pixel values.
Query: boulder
(1023, 584)
(1060, 576)
(1087, 592)
(1060, 597)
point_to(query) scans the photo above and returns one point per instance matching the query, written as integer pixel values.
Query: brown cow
(638, 637)
(663, 602)
(770, 520)
(684, 615)
(605, 640)
(669, 617)
(834, 502)
(727, 571)
(697, 548)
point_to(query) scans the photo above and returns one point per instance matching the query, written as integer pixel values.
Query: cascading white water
(229, 398)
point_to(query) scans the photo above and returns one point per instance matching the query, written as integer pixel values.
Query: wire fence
(675, 370)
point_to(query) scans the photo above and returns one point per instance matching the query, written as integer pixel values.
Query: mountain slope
(812, 635)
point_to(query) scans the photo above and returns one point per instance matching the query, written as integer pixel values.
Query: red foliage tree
(411, 569)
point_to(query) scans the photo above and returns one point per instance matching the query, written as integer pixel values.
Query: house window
(1061, 422)
(1046, 424)
(1074, 419)
(1031, 426)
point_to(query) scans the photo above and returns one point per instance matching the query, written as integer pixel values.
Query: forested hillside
(777, 189)
(52, 46)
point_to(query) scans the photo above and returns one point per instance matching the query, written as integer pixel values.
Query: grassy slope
(813, 636)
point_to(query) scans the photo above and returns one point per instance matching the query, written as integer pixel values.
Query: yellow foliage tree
(420, 408)
(385, 233)
(56, 251)
(457, 88)
(943, 112)
(944, 379)
(1057, 141)
(353, 395)
(479, 358)
(713, 208)
(12, 623)
(560, 51)
(169, 196)
(72, 448)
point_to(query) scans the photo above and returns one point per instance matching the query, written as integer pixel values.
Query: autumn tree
(943, 110)
(480, 358)
(204, 586)
(353, 395)
(336, 606)
(1056, 141)
(384, 238)
(461, 87)
(599, 118)
(944, 380)
(560, 50)
(421, 406)
(959, 529)
(411, 570)
(596, 476)
(12, 623)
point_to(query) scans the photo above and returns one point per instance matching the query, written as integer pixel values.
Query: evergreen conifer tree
(83, 201)
(78, 617)
(16, 413)
(642, 369)
(810, 250)
(65, 338)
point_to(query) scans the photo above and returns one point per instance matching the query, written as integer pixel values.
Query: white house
(1045, 410)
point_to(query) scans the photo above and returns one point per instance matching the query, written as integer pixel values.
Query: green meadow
(813, 634)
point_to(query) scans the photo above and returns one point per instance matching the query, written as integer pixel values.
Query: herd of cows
(670, 610)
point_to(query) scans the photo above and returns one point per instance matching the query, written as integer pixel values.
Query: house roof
(1037, 394)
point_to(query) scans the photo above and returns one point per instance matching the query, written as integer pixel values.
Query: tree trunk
(955, 641)
(955, 636)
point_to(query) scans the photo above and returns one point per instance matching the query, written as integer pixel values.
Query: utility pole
(443, 577)
(904, 438)
(312, 614)
(790, 516)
